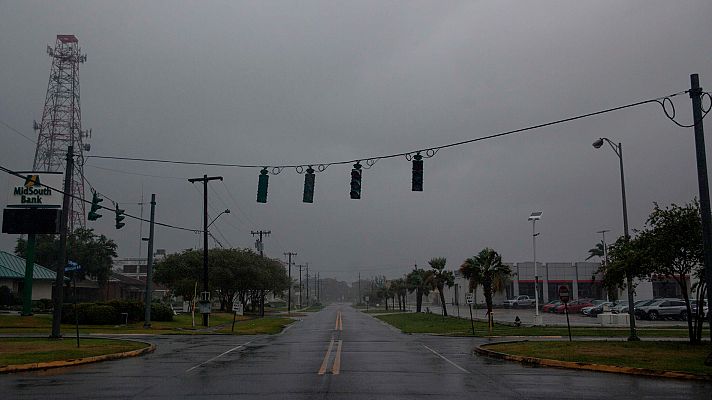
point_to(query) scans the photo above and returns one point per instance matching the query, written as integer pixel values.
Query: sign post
(469, 299)
(236, 309)
(565, 297)
(33, 206)
(73, 267)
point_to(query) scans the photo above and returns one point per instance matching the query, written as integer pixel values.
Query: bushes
(110, 313)
(161, 312)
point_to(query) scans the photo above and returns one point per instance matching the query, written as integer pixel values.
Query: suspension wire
(663, 101)
(17, 174)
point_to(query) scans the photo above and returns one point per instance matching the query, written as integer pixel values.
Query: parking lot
(527, 316)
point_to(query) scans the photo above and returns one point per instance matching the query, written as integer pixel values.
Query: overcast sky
(297, 82)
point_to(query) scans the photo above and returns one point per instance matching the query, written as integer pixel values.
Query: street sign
(237, 308)
(564, 294)
(470, 298)
(72, 266)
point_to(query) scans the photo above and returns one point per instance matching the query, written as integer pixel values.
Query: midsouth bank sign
(36, 189)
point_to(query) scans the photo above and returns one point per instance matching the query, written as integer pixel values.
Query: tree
(597, 251)
(439, 278)
(486, 269)
(417, 281)
(93, 252)
(673, 243)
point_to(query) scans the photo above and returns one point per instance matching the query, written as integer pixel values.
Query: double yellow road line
(336, 366)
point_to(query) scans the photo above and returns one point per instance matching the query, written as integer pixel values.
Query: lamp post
(618, 149)
(535, 216)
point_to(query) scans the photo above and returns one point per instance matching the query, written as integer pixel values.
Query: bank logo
(32, 180)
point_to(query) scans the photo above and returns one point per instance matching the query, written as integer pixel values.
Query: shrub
(134, 309)
(161, 312)
(100, 314)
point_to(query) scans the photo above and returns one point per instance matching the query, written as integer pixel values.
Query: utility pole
(259, 244)
(300, 285)
(289, 296)
(307, 284)
(206, 292)
(62, 256)
(318, 292)
(359, 289)
(149, 267)
(260, 247)
(703, 184)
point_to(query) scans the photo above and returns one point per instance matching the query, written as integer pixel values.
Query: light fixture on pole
(227, 211)
(535, 216)
(618, 149)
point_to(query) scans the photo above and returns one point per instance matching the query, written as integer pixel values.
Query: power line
(17, 174)
(429, 151)
(8, 126)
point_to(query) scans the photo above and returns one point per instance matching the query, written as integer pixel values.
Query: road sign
(470, 298)
(237, 308)
(564, 294)
(72, 266)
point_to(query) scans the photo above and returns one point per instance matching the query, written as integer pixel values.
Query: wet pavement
(338, 353)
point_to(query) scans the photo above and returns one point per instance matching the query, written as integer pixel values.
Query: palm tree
(417, 281)
(486, 269)
(597, 251)
(439, 278)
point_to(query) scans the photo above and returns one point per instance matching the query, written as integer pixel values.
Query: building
(136, 267)
(12, 276)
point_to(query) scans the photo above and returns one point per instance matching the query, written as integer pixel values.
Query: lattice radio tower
(61, 124)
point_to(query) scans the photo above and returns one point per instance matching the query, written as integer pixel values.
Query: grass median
(182, 324)
(436, 324)
(656, 356)
(33, 350)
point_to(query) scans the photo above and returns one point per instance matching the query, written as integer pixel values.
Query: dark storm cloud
(297, 82)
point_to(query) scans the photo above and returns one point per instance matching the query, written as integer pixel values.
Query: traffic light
(262, 186)
(308, 186)
(95, 200)
(119, 217)
(417, 173)
(356, 181)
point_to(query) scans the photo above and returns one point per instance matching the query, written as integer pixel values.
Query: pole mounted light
(535, 216)
(618, 149)
(227, 211)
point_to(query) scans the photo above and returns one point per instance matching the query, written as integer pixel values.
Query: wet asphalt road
(338, 353)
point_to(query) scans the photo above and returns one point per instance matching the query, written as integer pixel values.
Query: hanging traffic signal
(262, 186)
(308, 186)
(356, 181)
(119, 217)
(95, 200)
(417, 173)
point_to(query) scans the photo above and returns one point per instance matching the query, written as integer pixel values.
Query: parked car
(574, 306)
(693, 306)
(551, 306)
(519, 301)
(593, 311)
(663, 308)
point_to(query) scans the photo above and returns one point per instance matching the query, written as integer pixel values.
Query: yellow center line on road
(337, 361)
(336, 324)
(325, 363)
(341, 322)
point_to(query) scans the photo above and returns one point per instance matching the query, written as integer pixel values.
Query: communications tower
(61, 124)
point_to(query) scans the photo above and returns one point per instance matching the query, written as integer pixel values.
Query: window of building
(130, 269)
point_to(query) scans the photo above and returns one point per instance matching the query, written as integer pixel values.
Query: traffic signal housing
(119, 217)
(95, 200)
(356, 181)
(308, 186)
(417, 181)
(262, 185)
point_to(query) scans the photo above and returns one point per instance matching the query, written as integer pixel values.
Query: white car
(519, 301)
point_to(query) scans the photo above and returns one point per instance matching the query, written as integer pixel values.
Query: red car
(574, 306)
(551, 306)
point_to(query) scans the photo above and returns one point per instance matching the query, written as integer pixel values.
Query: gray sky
(320, 81)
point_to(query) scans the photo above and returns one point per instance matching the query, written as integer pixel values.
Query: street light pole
(618, 149)
(536, 215)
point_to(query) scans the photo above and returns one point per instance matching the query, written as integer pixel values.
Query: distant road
(338, 353)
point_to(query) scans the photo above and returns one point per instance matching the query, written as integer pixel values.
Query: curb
(77, 361)
(545, 362)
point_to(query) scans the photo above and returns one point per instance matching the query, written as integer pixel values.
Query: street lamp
(227, 211)
(535, 216)
(618, 149)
